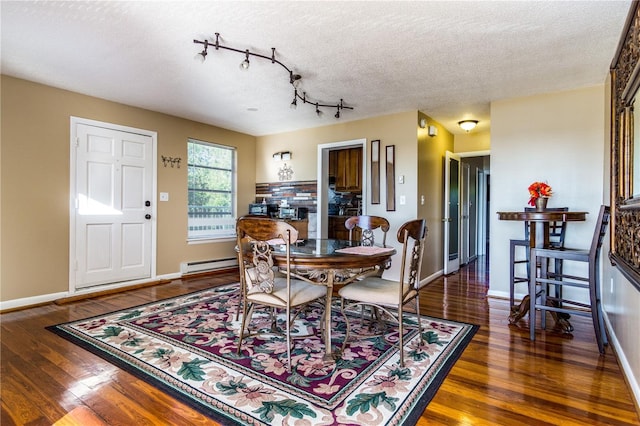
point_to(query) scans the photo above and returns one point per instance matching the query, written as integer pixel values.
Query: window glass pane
(211, 190)
(203, 178)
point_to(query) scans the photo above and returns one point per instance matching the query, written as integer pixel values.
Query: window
(211, 190)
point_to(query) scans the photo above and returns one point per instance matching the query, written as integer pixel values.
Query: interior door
(451, 218)
(465, 211)
(113, 205)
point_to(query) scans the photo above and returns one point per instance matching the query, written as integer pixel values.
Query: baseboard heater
(208, 265)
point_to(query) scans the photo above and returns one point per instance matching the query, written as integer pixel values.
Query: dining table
(332, 262)
(539, 237)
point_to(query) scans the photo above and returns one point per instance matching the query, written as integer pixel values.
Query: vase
(541, 203)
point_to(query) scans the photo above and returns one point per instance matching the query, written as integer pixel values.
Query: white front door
(113, 205)
(451, 217)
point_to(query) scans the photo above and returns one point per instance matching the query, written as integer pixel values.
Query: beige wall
(35, 183)
(35, 205)
(472, 141)
(557, 138)
(431, 152)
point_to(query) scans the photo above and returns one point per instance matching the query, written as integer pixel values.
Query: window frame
(228, 223)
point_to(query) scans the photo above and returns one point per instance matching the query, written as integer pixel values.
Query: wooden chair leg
(532, 299)
(512, 275)
(596, 310)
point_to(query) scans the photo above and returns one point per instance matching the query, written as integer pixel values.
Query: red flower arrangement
(537, 190)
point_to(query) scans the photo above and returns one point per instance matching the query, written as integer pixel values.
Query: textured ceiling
(448, 59)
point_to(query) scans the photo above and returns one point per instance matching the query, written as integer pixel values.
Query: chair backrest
(601, 230)
(254, 238)
(413, 231)
(367, 224)
(557, 229)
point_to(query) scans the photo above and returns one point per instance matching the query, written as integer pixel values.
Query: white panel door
(114, 184)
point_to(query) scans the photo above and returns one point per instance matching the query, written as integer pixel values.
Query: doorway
(322, 219)
(112, 216)
(466, 204)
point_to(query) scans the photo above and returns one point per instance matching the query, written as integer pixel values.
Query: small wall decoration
(375, 172)
(391, 178)
(173, 161)
(285, 172)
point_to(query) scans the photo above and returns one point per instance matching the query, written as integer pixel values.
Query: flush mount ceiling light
(468, 125)
(294, 79)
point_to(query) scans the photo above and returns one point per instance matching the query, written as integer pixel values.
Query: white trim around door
(112, 206)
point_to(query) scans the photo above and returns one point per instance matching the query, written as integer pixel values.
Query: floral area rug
(187, 346)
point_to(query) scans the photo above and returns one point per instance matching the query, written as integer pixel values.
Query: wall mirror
(625, 151)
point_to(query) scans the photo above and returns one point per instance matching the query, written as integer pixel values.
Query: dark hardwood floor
(501, 378)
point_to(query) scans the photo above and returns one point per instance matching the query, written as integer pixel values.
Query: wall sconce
(432, 130)
(173, 161)
(282, 156)
(468, 125)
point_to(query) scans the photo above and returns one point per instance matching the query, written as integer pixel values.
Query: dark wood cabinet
(337, 230)
(346, 166)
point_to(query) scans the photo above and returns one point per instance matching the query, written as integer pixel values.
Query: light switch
(164, 196)
(401, 179)
(403, 200)
(422, 200)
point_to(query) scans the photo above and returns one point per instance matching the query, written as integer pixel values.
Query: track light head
(294, 103)
(318, 112)
(202, 55)
(294, 79)
(244, 65)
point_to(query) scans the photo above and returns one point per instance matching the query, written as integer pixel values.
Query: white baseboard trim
(34, 300)
(627, 371)
(500, 294)
(45, 298)
(431, 277)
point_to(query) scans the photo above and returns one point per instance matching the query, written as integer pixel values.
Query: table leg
(518, 312)
(540, 239)
(328, 354)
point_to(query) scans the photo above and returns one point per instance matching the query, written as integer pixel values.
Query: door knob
(147, 216)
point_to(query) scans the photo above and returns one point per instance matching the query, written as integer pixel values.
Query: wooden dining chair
(263, 286)
(539, 286)
(367, 225)
(557, 233)
(387, 296)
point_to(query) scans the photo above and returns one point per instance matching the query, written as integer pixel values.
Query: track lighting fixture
(294, 79)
